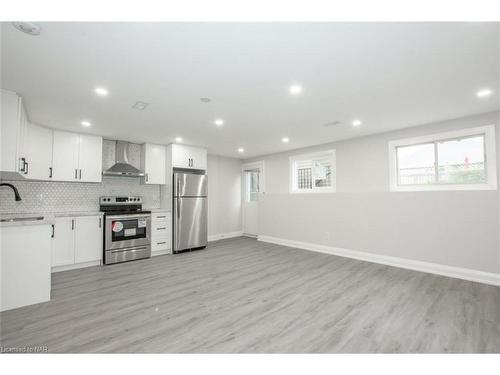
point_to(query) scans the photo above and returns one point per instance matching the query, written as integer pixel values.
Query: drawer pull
(161, 243)
(161, 217)
(163, 228)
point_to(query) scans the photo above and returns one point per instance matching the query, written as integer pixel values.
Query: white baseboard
(438, 269)
(75, 266)
(220, 236)
(161, 252)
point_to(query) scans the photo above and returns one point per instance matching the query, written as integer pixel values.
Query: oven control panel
(120, 200)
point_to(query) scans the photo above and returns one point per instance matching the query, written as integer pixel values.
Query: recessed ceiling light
(241, 150)
(219, 122)
(205, 100)
(356, 122)
(178, 139)
(285, 139)
(101, 91)
(295, 89)
(140, 105)
(86, 123)
(484, 93)
(28, 27)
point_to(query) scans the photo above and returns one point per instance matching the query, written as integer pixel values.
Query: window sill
(463, 187)
(312, 191)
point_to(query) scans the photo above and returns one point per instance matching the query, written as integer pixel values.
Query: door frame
(262, 186)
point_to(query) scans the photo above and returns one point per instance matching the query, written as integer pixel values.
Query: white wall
(456, 228)
(224, 195)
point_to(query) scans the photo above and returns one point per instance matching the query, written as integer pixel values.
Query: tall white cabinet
(188, 157)
(76, 157)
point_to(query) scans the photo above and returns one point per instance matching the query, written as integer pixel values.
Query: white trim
(491, 159)
(75, 266)
(160, 252)
(220, 236)
(434, 268)
(291, 172)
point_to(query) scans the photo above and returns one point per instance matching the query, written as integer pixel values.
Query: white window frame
(489, 153)
(320, 154)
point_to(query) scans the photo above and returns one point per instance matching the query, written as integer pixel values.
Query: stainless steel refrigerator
(189, 211)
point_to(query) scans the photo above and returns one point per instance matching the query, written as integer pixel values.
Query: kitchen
(250, 187)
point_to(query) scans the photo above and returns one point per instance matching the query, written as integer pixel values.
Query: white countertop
(48, 217)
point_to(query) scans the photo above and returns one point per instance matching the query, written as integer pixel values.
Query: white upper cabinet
(188, 157)
(76, 157)
(65, 156)
(90, 159)
(13, 131)
(153, 161)
(38, 152)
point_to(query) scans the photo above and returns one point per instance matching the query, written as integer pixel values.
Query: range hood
(122, 167)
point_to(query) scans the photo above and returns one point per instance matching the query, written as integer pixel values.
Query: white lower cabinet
(77, 241)
(161, 232)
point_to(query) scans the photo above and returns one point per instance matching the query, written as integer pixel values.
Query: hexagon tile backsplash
(40, 196)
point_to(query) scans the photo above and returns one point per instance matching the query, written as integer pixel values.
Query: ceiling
(388, 75)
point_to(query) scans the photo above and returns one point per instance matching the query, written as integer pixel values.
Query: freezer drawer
(190, 185)
(190, 223)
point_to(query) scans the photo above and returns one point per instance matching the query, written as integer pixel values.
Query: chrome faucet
(16, 193)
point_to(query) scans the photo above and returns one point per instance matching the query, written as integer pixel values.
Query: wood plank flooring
(240, 295)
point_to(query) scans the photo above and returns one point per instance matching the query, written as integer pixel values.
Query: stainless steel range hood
(122, 167)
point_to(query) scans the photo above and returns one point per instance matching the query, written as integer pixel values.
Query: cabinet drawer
(158, 245)
(160, 216)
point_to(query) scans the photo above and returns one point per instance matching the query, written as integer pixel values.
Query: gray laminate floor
(240, 295)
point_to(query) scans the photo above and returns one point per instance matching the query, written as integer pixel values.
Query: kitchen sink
(27, 218)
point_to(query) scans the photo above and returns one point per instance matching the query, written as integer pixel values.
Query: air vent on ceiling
(28, 27)
(140, 105)
(333, 123)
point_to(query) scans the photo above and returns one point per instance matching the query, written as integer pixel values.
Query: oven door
(127, 231)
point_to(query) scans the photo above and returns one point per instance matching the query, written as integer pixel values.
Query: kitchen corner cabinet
(188, 157)
(77, 240)
(76, 157)
(13, 131)
(153, 161)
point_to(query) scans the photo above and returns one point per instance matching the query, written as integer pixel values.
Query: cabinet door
(90, 161)
(154, 163)
(198, 158)
(63, 245)
(11, 131)
(189, 157)
(88, 239)
(180, 156)
(65, 156)
(38, 152)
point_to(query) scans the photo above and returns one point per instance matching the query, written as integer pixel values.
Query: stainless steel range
(127, 229)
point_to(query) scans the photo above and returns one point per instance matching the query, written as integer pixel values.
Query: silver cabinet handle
(53, 231)
(72, 224)
(147, 177)
(163, 228)
(76, 174)
(161, 243)
(80, 174)
(50, 172)
(100, 222)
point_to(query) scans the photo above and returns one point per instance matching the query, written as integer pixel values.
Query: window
(252, 185)
(313, 173)
(459, 160)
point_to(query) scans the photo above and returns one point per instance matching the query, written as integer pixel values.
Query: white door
(154, 164)
(90, 160)
(198, 158)
(65, 156)
(63, 245)
(38, 151)
(253, 183)
(88, 238)
(189, 157)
